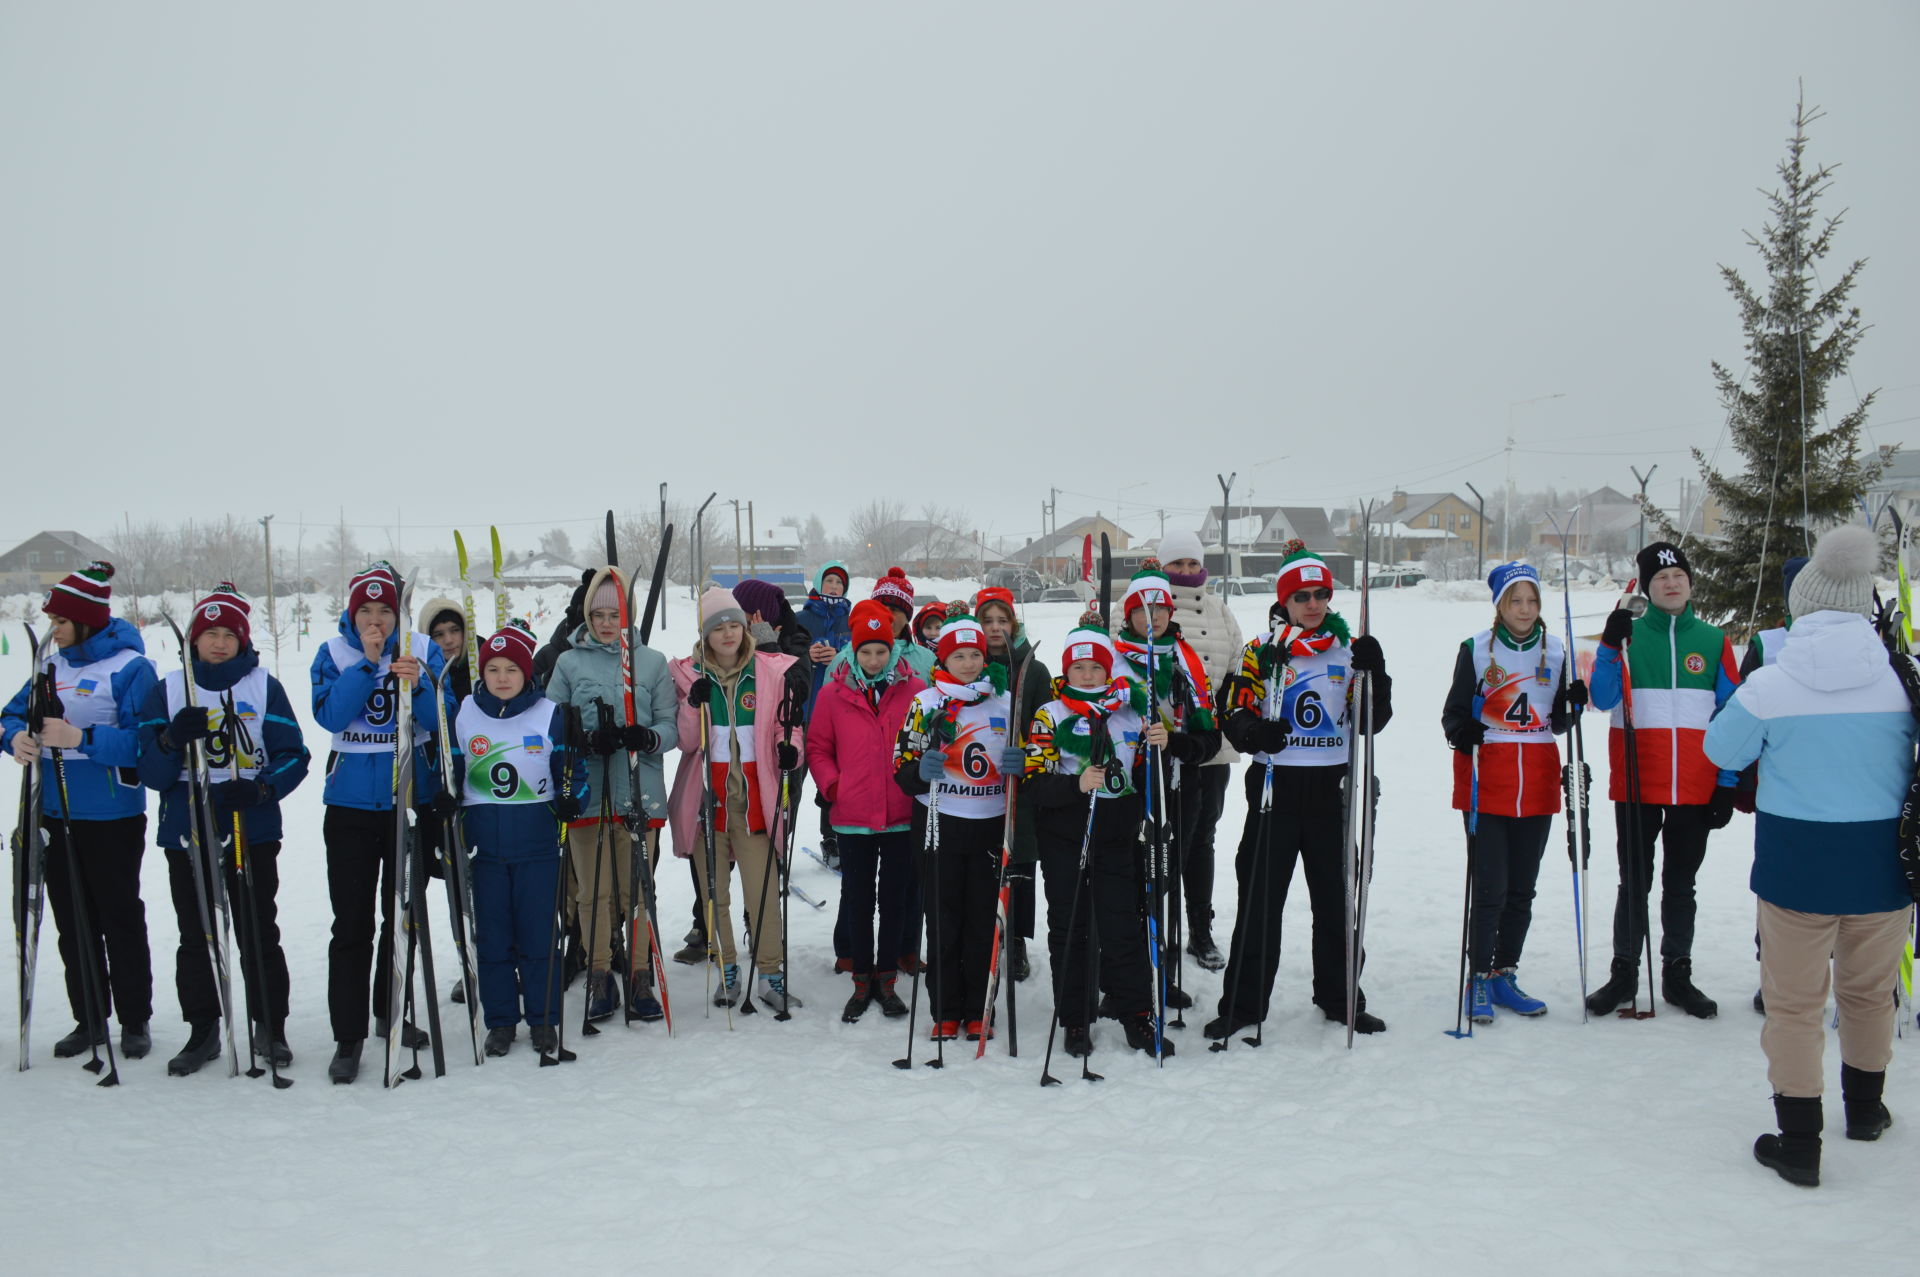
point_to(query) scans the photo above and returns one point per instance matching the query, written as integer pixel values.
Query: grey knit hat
(717, 607)
(1839, 577)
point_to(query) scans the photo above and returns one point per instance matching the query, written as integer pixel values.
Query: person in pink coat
(740, 737)
(861, 708)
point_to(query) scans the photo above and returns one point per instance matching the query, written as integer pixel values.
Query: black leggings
(109, 852)
(1506, 865)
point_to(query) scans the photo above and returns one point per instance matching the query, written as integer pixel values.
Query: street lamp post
(273, 628)
(1480, 551)
(1226, 538)
(1643, 505)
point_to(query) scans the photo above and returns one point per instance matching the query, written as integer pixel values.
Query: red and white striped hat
(515, 642)
(223, 609)
(83, 597)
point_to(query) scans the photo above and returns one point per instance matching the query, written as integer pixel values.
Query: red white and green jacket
(1679, 671)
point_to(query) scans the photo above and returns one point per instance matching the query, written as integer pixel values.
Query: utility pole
(700, 549)
(753, 543)
(1226, 539)
(663, 533)
(1480, 552)
(266, 525)
(736, 541)
(1643, 506)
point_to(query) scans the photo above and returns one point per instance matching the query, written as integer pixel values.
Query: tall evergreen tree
(1797, 476)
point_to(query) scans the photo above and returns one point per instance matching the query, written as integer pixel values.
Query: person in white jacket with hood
(1213, 634)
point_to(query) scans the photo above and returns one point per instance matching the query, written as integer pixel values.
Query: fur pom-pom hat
(1839, 576)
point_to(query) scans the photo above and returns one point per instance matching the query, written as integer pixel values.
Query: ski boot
(1022, 968)
(602, 998)
(1225, 1025)
(1676, 987)
(1619, 991)
(693, 948)
(77, 1042)
(774, 995)
(1504, 987)
(1079, 1042)
(1203, 950)
(412, 1036)
(273, 1044)
(1480, 999)
(345, 1064)
(135, 1041)
(1364, 1021)
(1139, 1030)
(727, 993)
(202, 1048)
(500, 1039)
(546, 1038)
(641, 1003)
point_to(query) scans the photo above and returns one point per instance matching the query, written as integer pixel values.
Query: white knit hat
(1839, 577)
(1181, 544)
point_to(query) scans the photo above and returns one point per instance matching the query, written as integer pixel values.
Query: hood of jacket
(1832, 651)
(119, 636)
(820, 577)
(423, 619)
(582, 638)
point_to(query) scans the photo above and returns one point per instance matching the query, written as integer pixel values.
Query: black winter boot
(1022, 968)
(202, 1048)
(1139, 1030)
(862, 998)
(693, 948)
(1200, 944)
(1079, 1041)
(1618, 991)
(1363, 1020)
(345, 1064)
(500, 1039)
(1676, 987)
(135, 1041)
(1795, 1152)
(1860, 1091)
(884, 993)
(77, 1042)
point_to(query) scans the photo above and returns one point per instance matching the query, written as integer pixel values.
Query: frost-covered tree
(1800, 472)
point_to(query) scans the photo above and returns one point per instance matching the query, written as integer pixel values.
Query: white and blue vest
(250, 714)
(372, 730)
(86, 692)
(509, 760)
(1313, 697)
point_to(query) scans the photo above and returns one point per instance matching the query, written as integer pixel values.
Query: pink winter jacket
(850, 750)
(683, 804)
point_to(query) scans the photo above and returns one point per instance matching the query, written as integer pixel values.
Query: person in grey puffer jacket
(1213, 634)
(586, 677)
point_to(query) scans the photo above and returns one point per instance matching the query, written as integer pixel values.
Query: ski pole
(93, 989)
(1060, 992)
(1466, 899)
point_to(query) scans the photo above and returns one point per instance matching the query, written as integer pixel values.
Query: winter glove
(1242, 730)
(567, 807)
(639, 739)
(933, 765)
(793, 702)
(238, 795)
(1619, 629)
(1570, 698)
(1367, 656)
(603, 741)
(189, 725)
(1720, 807)
(445, 803)
(430, 831)
(1013, 760)
(786, 757)
(1468, 735)
(700, 692)
(1270, 735)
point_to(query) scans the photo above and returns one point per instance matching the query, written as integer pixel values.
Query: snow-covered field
(1538, 1146)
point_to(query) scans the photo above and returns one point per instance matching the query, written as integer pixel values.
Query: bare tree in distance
(876, 541)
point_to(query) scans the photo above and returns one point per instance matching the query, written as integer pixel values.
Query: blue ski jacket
(824, 618)
(365, 781)
(104, 785)
(525, 830)
(283, 760)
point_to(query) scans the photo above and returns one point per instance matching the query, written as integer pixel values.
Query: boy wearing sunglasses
(1289, 708)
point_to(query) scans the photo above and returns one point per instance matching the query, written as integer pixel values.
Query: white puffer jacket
(1213, 634)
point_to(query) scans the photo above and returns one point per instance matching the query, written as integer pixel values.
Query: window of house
(59, 558)
(1466, 521)
(1433, 520)
(33, 558)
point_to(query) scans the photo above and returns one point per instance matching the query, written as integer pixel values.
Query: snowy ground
(1542, 1146)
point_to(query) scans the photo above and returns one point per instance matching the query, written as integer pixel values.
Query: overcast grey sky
(518, 263)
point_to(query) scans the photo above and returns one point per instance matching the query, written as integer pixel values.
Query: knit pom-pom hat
(222, 609)
(1839, 576)
(83, 597)
(1148, 588)
(895, 591)
(959, 630)
(515, 642)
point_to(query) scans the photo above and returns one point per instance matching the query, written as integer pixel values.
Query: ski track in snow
(795, 1148)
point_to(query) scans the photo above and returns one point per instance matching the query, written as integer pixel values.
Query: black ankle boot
(1676, 987)
(1795, 1152)
(1618, 991)
(1860, 1091)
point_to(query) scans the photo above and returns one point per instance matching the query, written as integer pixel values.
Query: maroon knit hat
(375, 584)
(895, 591)
(223, 609)
(83, 597)
(516, 643)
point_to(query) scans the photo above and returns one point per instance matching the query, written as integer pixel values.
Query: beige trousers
(601, 913)
(753, 853)
(1802, 955)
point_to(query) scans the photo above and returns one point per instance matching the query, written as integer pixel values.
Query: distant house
(1427, 512)
(1258, 536)
(540, 569)
(1898, 485)
(922, 548)
(1057, 555)
(43, 558)
(1603, 521)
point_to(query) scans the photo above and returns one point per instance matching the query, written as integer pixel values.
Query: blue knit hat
(1507, 575)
